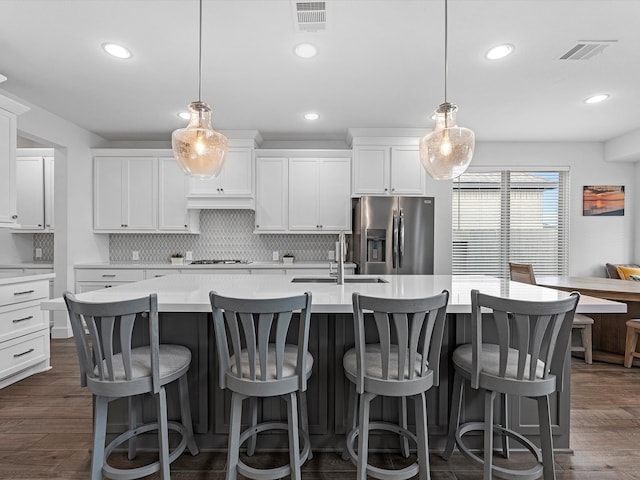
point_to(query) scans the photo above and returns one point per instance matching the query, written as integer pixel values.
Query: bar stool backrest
(251, 335)
(410, 330)
(104, 348)
(538, 333)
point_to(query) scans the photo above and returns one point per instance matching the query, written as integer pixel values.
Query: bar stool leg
(489, 398)
(454, 420)
(546, 442)
(235, 419)
(404, 441)
(422, 436)
(163, 434)
(99, 437)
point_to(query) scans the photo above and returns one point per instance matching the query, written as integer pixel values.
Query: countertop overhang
(190, 292)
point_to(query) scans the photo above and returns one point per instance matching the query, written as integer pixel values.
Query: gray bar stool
(111, 368)
(256, 361)
(403, 361)
(527, 359)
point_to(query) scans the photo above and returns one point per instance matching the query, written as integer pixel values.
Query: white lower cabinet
(24, 329)
(91, 279)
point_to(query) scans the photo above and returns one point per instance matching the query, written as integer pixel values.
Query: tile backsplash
(224, 234)
(45, 242)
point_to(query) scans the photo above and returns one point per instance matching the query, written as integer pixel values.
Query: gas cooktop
(211, 262)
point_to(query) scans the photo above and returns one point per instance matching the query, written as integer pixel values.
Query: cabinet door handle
(26, 292)
(18, 320)
(16, 355)
(108, 275)
(14, 217)
(39, 224)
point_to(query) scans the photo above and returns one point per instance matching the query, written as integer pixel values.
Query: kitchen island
(183, 301)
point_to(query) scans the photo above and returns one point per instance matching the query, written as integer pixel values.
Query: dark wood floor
(45, 430)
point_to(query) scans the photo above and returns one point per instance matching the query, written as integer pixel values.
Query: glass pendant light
(198, 148)
(446, 152)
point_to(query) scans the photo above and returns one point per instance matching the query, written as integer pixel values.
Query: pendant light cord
(446, 63)
(200, 55)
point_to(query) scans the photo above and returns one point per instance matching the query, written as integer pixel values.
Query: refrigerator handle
(401, 239)
(395, 238)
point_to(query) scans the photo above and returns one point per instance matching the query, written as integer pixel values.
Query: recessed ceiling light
(601, 97)
(184, 115)
(306, 50)
(311, 116)
(116, 50)
(500, 51)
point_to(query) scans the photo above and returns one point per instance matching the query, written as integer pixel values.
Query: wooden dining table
(609, 329)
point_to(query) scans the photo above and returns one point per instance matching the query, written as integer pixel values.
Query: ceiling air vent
(310, 16)
(586, 49)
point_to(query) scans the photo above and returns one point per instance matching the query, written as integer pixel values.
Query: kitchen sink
(335, 280)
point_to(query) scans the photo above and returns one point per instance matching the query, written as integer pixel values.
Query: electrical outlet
(188, 256)
(331, 255)
(38, 253)
(135, 255)
(276, 256)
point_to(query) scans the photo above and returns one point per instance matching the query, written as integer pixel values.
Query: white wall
(593, 241)
(74, 239)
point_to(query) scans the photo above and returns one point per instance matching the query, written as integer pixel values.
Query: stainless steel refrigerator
(393, 235)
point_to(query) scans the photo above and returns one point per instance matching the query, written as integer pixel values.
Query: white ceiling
(380, 64)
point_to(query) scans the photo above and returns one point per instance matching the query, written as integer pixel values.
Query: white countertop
(190, 292)
(8, 278)
(187, 265)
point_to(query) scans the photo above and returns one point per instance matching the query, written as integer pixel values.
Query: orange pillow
(625, 272)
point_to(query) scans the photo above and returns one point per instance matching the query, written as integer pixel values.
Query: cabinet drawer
(21, 321)
(23, 352)
(109, 275)
(161, 272)
(23, 292)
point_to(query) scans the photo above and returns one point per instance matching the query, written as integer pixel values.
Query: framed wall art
(603, 200)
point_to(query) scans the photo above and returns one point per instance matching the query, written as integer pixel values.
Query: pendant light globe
(198, 148)
(446, 152)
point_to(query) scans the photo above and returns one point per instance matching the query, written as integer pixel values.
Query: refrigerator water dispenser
(376, 242)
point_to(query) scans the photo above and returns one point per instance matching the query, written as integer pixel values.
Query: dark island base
(327, 396)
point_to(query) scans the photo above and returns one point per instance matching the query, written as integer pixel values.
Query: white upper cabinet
(319, 194)
(272, 192)
(9, 109)
(125, 193)
(232, 188)
(49, 184)
(31, 196)
(387, 170)
(303, 191)
(172, 196)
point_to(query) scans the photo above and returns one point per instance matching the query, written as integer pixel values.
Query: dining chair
(396, 354)
(526, 359)
(523, 272)
(111, 368)
(633, 332)
(256, 362)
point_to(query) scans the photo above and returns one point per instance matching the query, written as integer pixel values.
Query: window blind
(504, 216)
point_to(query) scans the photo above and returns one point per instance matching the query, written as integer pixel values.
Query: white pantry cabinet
(9, 109)
(319, 194)
(387, 170)
(303, 191)
(125, 193)
(231, 189)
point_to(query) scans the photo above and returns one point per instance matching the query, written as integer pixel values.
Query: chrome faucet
(342, 247)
